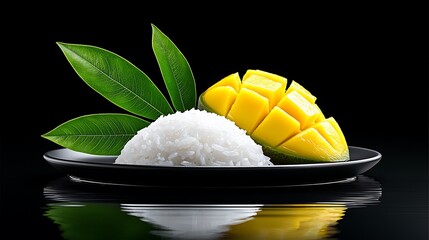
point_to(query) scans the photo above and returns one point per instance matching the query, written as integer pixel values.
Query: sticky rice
(193, 138)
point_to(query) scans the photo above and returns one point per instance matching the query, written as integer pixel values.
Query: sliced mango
(287, 122)
(294, 86)
(342, 138)
(300, 108)
(321, 117)
(308, 144)
(233, 80)
(330, 133)
(222, 98)
(266, 87)
(248, 110)
(276, 128)
(274, 77)
(321, 142)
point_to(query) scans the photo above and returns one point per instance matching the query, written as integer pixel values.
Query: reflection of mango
(304, 221)
(286, 121)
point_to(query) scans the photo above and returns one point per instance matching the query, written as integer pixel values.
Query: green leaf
(175, 70)
(117, 80)
(100, 134)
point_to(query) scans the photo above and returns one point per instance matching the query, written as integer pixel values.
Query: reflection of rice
(191, 222)
(191, 138)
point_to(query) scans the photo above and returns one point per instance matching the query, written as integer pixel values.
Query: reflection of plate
(360, 192)
(101, 169)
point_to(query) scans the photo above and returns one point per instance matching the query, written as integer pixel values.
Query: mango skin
(298, 132)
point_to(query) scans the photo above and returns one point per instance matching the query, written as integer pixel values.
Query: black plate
(102, 169)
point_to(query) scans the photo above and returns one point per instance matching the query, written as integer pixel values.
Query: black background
(367, 63)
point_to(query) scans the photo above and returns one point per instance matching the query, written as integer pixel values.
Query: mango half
(284, 119)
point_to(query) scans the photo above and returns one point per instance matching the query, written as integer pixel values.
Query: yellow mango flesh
(221, 99)
(294, 86)
(274, 77)
(321, 117)
(285, 121)
(276, 128)
(329, 132)
(321, 142)
(248, 110)
(265, 87)
(300, 108)
(233, 80)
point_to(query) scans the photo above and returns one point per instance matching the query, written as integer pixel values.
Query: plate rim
(109, 172)
(53, 159)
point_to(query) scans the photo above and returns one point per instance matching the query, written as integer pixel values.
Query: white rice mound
(193, 138)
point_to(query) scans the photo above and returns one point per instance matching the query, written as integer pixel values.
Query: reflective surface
(133, 221)
(311, 212)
